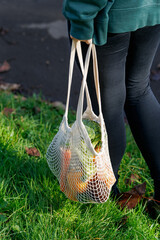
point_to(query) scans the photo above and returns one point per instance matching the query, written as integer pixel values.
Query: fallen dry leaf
(22, 98)
(131, 198)
(9, 86)
(128, 200)
(132, 179)
(140, 188)
(8, 111)
(5, 67)
(58, 104)
(36, 110)
(32, 152)
(129, 154)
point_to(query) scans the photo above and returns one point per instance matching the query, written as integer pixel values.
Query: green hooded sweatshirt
(93, 19)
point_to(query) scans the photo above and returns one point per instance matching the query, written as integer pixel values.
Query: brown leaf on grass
(140, 188)
(58, 104)
(22, 98)
(36, 110)
(8, 111)
(32, 152)
(131, 198)
(9, 86)
(128, 200)
(129, 154)
(132, 179)
(5, 67)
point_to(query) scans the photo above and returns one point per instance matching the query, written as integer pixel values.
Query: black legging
(124, 70)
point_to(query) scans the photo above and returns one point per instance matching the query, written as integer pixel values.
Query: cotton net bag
(84, 173)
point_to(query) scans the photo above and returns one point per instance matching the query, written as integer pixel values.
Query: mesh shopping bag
(82, 168)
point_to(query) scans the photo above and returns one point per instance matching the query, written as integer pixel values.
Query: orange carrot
(97, 149)
(107, 177)
(65, 161)
(75, 183)
(70, 194)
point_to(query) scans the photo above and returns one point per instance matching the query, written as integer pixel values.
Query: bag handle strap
(70, 75)
(98, 92)
(96, 78)
(76, 45)
(92, 49)
(83, 85)
(80, 58)
(81, 95)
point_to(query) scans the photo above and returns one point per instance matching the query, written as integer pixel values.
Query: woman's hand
(89, 41)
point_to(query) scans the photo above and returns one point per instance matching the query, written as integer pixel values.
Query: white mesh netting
(78, 156)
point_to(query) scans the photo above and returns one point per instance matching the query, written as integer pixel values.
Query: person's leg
(111, 63)
(141, 107)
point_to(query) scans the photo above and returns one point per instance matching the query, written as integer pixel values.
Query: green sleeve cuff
(82, 30)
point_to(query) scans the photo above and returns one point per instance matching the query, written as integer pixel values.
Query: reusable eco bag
(84, 174)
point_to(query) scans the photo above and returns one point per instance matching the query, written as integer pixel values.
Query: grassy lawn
(32, 206)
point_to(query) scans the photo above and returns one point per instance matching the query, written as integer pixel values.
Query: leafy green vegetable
(94, 131)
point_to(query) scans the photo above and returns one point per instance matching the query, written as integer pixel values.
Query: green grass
(32, 206)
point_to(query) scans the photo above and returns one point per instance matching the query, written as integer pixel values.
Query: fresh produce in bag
(78, 155)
